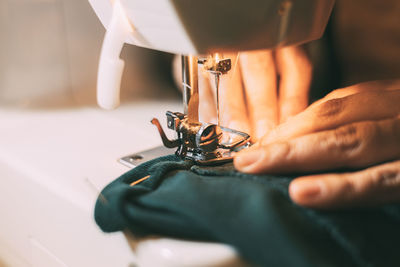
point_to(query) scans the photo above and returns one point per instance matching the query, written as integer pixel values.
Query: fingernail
(305, 190)
(263, 158)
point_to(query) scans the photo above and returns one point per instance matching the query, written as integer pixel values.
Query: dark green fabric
(252, 213)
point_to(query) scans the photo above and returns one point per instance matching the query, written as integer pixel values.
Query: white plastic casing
(120, 30)
(111, 66)
(200, 27)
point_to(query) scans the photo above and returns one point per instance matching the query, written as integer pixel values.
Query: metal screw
(135, 157)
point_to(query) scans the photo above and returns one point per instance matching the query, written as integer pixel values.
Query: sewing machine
(200, 31)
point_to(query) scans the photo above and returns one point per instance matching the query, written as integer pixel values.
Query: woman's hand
(262, 90)
(352, 128)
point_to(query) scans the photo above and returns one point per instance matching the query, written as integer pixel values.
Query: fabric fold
(253, 213)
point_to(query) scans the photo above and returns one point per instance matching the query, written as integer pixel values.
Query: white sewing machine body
(208, 26)
(54, 162)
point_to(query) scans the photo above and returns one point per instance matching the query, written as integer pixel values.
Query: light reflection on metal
(203, 143)
(190, 87)
(216, 65)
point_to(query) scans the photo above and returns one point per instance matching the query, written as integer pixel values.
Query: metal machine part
(203, 143)
(133, 160)
(217, 65)
(190, 87)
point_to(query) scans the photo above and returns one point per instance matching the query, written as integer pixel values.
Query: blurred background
(49, 52)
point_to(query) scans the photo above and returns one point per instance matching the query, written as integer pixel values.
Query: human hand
(352, 128)
(263, 89)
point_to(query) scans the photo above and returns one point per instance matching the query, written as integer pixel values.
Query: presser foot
(204, 143)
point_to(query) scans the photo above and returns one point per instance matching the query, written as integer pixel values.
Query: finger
(207, 105)
(356, 145)
(373, 186)
(371, 86)
(233, 112)
(260, 82)
(374, 105)
(295, 71)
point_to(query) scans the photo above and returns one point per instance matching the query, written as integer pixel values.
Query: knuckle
(285, 151)
(346, 139)
(368, 132)
(384, 177)
(331, 108)
(281, 151)
(380, 135)
(348, 187)
(356, 143)
(374, 185)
